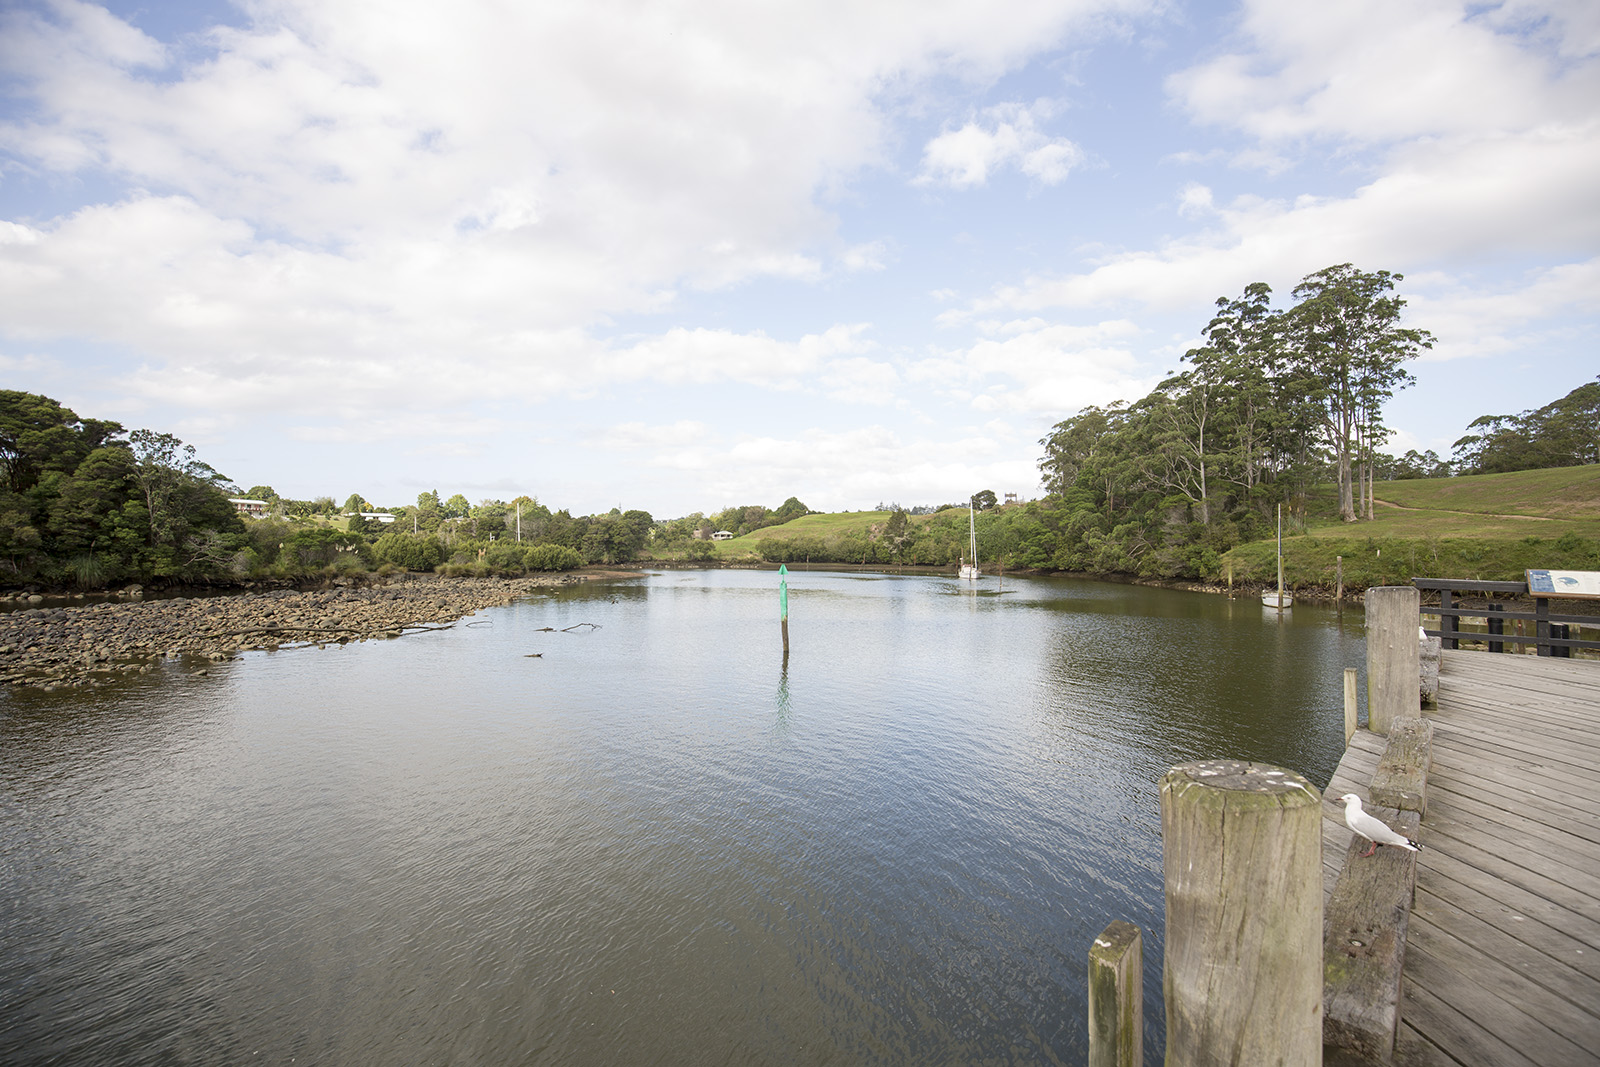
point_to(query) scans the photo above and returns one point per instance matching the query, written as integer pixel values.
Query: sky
(682, 255)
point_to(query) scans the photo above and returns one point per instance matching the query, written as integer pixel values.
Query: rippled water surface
(650, 843)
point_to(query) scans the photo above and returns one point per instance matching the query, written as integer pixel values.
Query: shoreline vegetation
(87, 506)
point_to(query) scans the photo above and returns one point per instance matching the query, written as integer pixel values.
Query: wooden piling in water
(1393, 659)
(1116, 997)
(1242, 858)
(1349, 705)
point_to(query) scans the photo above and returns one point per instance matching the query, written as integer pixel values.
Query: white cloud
(408, 200)
(1453, 201)
(1041, 369)
(839, 469)
(870, 256)
(1471, 320)
(1005, 135)
(637, 435)
(1370, 71)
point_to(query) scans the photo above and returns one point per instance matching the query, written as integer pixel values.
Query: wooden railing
(1551, 636)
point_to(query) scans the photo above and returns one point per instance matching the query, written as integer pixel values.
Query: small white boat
(1280, 599)
(969, 571)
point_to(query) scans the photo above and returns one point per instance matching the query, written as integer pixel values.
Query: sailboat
(969, 571)
(1280, 599)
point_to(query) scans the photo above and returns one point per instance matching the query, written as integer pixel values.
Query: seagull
(1371, 829)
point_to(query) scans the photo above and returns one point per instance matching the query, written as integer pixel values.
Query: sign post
(783, 604)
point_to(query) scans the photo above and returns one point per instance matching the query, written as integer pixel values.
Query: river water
(608, 825)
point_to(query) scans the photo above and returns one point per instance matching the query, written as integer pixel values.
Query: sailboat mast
(1280, 555)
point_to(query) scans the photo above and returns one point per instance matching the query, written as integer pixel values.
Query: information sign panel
(1576, 584)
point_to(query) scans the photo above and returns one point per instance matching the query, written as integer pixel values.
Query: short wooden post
(1349, 705)
(1541, 625)
(1496, 626)
(1241, 850)
(1449, 624)
(1338, 577)
(1394, 670)
(1116, 997)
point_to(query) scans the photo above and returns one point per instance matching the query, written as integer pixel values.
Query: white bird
(1372, 829)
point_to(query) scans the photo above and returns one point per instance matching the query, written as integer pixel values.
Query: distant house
(256, 509)
(722, 535)
(380, 516)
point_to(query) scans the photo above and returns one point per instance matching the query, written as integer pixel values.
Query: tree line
(1563, 433)
(1274, 403)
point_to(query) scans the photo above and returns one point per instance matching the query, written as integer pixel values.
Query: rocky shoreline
(90, 643)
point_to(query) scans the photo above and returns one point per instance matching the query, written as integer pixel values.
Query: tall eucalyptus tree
(1345, 351)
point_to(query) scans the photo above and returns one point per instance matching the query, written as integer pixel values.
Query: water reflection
(634, 848)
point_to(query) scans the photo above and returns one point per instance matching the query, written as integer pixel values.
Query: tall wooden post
(1394, 669)
(1241, 849)
(1338, 578)
(1116, 997)
(1349, 705)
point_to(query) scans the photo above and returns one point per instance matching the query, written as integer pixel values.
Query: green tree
(1562, 433)
(1347, 351)
(789, 510)
(182, 502)
(37, 435)
(984, 499)
(355, 503)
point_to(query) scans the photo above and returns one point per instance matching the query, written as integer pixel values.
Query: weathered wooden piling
(1393, 665)
(1368, 915)
(1116, 997)
(1242, 857)
(1349, 705)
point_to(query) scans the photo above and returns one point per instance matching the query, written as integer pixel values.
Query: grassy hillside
(1491, 527)
(826, 527)
(1558, 492)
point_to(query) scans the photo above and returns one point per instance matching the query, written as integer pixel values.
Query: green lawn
(820, 526)
(1557, 492)
(1543, 503)
(1490, 527)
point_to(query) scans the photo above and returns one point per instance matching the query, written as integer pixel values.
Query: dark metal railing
(1552, 634)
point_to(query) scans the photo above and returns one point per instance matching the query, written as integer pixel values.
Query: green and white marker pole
(783, 603)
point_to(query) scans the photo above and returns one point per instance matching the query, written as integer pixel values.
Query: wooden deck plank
(1459, 1034)
(1571, 752)
(1551, 820)
(1530, 961)
(1541, 874)
(1513, 1020)
(1447, 875)
(1516, 827)
(1503, 959)
(1507, 780)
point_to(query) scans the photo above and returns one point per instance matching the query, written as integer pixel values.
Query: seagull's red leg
(1372, 846)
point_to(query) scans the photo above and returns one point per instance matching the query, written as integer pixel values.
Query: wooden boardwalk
(1502, 964)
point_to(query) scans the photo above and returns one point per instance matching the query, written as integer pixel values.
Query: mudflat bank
(89, 643)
